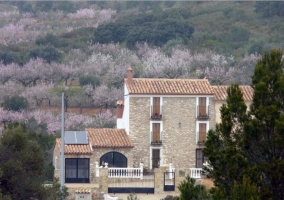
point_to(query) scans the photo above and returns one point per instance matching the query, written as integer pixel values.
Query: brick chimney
(129, 76)
(119, 109)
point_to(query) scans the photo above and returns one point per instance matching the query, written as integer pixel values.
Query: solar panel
(76, 137)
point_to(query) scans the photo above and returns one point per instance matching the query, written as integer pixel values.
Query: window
(156, 109)
(202, 128)
(200, 159)
(77, 170)
(114, 159)
(202, 110)
(156, 133)
(202, 132)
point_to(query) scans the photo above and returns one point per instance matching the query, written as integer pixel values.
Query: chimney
(129, 76)
(119, 109)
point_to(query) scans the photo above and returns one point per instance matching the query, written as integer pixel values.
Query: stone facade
(178, 127)
(218, 105)
(139, 128)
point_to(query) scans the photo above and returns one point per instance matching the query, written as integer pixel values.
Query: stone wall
(139, 129)
(178, 133)
(99, 152)
(218, 105)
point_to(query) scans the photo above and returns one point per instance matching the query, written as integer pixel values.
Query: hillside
(229, 28)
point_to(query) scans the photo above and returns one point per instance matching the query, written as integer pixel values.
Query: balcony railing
(156, 112)
(202, 112)
(201, 137)
(156, 138)
(195, 172)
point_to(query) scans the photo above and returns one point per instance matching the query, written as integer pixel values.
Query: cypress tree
(263, 138)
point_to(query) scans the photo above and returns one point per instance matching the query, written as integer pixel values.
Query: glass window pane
(83, 168)
(71, 168)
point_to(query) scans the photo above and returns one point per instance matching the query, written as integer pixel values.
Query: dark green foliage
(269, 8)
(171, 197)
(43, 6)
(89, 79)
(248, 149)
(53, 40)
(245, 190)
(22, 156)
(15, 103)
(256, 47)
(49, 53)
(22, 164)
(8, 57)
(263, 136)
(190, 191)
(222, 145)
(157, 29)
(239, 34)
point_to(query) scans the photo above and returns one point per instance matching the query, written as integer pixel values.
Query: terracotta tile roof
(109, 137)
(75, 148)
(169, 86)
(221, 92)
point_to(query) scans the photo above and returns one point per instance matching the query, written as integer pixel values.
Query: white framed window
(202, 107)
(202, 128)
(156, 111)
(156, 129)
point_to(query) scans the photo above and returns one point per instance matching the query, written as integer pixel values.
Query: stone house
(159, 121)
(167, 119)
(220, 93)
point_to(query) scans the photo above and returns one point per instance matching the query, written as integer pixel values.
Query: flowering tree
(31, 72)
(38, 93)
(105, 97)
(10, 89)
(157, 64)
(7, 72)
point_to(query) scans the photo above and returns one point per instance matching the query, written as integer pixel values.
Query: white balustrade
(195, 172)
(125, 172)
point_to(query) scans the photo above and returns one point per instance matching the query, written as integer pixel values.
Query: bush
(88, 79)
(15, 103)
(188, 190)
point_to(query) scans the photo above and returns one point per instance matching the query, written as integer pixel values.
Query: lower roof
(109, 137)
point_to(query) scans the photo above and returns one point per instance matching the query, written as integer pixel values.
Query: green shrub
(15, 103)
(88, 79)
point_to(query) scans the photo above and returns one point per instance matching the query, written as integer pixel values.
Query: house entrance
(114, 159)
(155, 158)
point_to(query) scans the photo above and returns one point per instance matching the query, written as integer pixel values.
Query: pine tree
(222, 146)
(263, 138)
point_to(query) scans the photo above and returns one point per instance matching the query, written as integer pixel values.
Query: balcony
(201, 138)
(156, 138)
(156, 112)
(202, 112)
